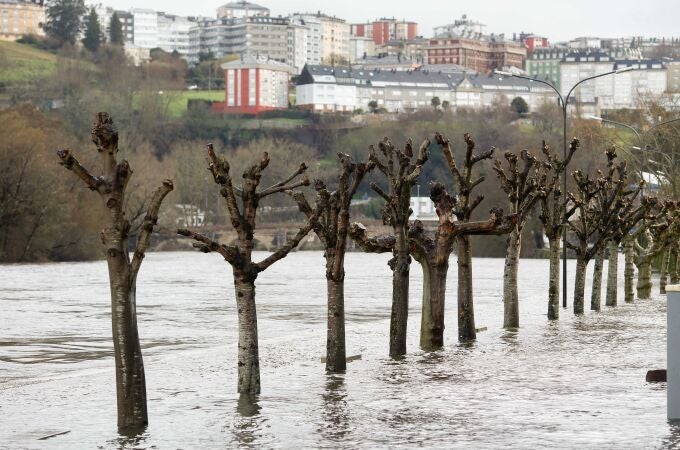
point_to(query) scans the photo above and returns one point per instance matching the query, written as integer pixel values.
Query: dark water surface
(578, 383)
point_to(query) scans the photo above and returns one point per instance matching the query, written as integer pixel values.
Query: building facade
(241, 9)
(673, 75)
(327, 38)
(173, 33)
(480, 53)
(145, 27)
(544, 64)
(335, 89)
(385, 30)
(254, 84)
(19, 18)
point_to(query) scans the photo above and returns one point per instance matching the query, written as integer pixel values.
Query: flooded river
(578, 383)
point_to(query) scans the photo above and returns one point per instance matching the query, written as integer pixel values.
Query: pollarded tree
(465, 206)
(239, 255)
(433, 255)
(401, 169)
(524, 187)
(553, 210)
(111, 186)
(332, 228)
(597, 204)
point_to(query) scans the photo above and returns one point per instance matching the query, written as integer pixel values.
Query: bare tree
(332, 228)
(239, 255)
(401, 169)
(597, 203)
(524, 187)
(111, 186)
(553, 217)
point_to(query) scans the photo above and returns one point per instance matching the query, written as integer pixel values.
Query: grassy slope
(19, 62)
(180, 99)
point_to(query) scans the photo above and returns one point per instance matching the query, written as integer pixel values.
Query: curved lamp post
(564, 101)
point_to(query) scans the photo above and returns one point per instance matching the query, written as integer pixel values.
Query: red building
(254, 84)
(533, 42)
(385, 30)
(479, 53)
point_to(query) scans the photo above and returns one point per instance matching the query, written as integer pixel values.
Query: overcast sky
(556, 19)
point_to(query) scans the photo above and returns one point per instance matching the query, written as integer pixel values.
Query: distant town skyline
(557, 21)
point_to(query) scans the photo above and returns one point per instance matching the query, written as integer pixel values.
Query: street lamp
(564, 101)
(639, 135)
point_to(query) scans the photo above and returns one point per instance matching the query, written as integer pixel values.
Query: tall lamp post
(564, 101)
(639, 135)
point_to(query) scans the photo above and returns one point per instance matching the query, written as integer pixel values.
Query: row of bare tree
(602, 213)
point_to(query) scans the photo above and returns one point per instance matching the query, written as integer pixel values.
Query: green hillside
(20, 62)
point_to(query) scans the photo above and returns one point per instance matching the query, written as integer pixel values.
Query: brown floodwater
(576, 383)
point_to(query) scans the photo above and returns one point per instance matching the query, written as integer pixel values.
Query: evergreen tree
(93, 32)
(116, 30)
(64, 20)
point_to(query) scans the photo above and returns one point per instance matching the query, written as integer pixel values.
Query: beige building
(327, 39)
(18, 18)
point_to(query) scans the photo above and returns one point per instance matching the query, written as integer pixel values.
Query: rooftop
(243, 5)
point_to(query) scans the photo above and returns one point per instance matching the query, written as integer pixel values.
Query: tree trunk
(130, 378)
(248, 357)
(596, 294)
(510, 291)
(400, 281)
(644, 283)
(612, 274)
(466, 312)
(675, 271)
(335, 338)
(629, 270)
(665, 263)
(434, 294)
(554, 281)
(579, 286)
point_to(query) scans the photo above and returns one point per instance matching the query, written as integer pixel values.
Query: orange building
(19, 18)
(385, 30)
(482, 54)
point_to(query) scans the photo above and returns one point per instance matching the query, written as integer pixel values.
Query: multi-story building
(384, 30)
(672, 75)
(327, 38)
(335, 89)
(297, 46)
(241, 9)
(105, 13)
(412, 49)
(649, 79)
(579, 65)
(173, 33)
(533, 42)
(478, 52)
(360, 47)
(544, 63)
(254, 84)
(145, 26)
(254, 35)
(18, 18)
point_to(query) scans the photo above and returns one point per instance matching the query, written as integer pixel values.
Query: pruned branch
(71, 163)
(148, 225)
(377, 244)
(206, 245)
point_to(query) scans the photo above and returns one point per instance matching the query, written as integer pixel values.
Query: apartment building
(173, 33)
(254, 84)
(412, 49)
(327, 38)
(544, 64)
(241, 9)
(145, 27)
(335, 89)
(19, 18)
(385, 30)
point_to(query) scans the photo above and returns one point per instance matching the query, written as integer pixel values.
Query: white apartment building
(649, 79)
(241, 9)
(297, 46)
(145, 27)
(336, 89)
(360, 47)
(173, 33)
(327, 38)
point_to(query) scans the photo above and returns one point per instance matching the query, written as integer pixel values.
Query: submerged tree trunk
(596, 292)
(434, 294)
(612, 274)
(248, 351)
(579, 285)
(466, 312)
(554, 281)
(400, 282)
(335, 337)
(629, 269)
(665, 263)
(644, 283)
(130, 378)
(510, 291)
(674, 267)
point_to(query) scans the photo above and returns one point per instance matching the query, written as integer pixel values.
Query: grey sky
(558, 20)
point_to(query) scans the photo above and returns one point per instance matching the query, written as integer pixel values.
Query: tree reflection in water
(336, 420)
